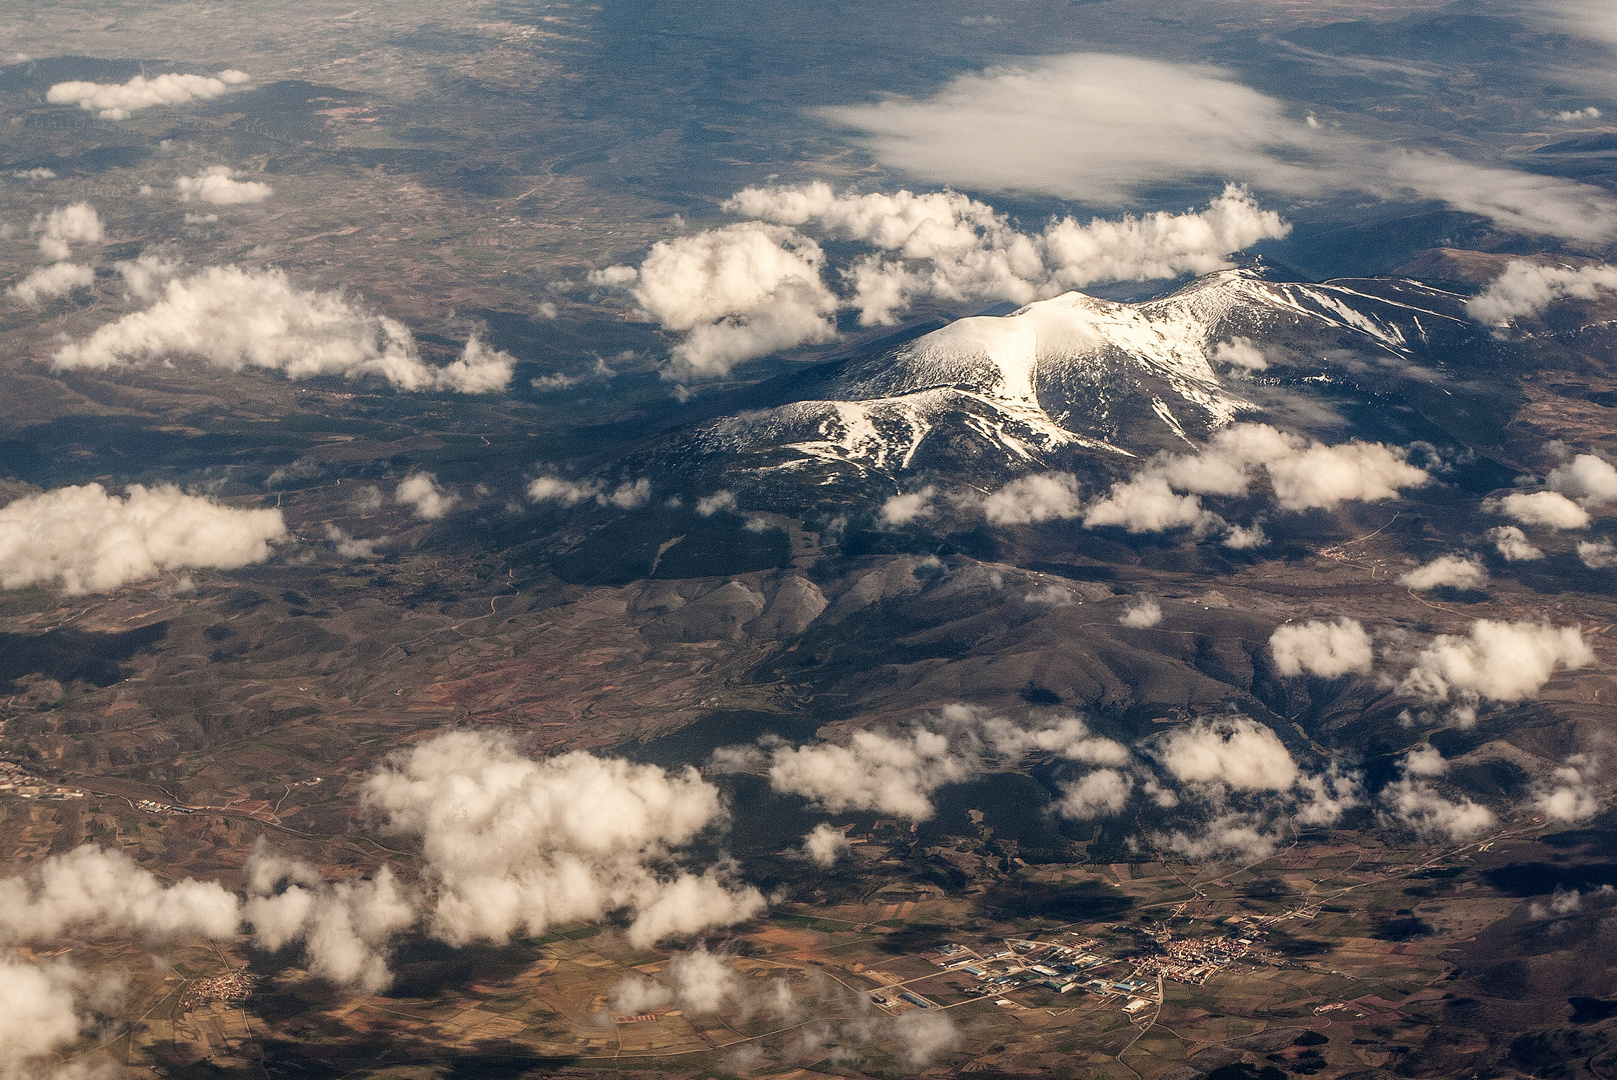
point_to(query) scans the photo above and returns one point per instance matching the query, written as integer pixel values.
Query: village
(14, 780)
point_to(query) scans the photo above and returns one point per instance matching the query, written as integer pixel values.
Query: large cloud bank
(1034, 126)
(1302, 474)
(238, 318)
(756, 287)
(115, 101)
(83, 539)
(515, 845)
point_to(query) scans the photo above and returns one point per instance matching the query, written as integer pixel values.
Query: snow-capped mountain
(1076, 374)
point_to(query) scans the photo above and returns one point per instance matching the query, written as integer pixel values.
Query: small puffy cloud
(349, 547)
(1318, 647)
(84, 540)
(1592, 481)
(421, 492)
(629, 495)
(1548, 508)
(1237, 752)
(346, 927)
(1425, 761)
(556, 489)
(1147, 504)
(517, 845)
(735, 293)
(1597, 554)
(218, 186)
(1142, 614)
(1527, 289)
(1031, 499)
(38, 173)
(237, 318)
(1497, 661)
(718, 502)
(1513, 544)
(1244, 537)
(1241, 354)
(909, 507)
(115, 101)
(1101, 793)
(49, 282)
(1574, 116)
(921, 1035)
(891, 774)
(825, 845)
(1568, 793)
(1446, 571)
(1227, 838)
(1413, 802)
(65, 226)
(1323, 798)
(1063, 736)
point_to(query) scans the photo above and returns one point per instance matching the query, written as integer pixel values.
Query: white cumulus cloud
(1446, 571)
(824, 845)
(218, 185)
(1303, 475)
(1032, 499)
(1415, 803)
(1100, 793)
(1597, 554)
(65, 226)
(629, 495)
(1568, 793)
(1497, 661)
(1241, 354)
(517, 845)
(1237, 752)
(909, 507)
(759, 286)
(83, 539)
(1590, 480)
(1513, 544)
(947, 246)
(238, 318)
(1527, 289)
(891, 774)
(49, 282)
(1140, 615)
(115, 101)
(1329, 649)
(422, 492)
(1550, 509)
(735, 293)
